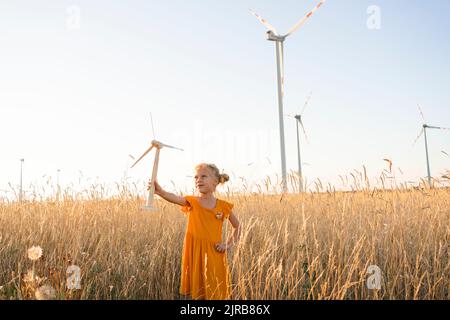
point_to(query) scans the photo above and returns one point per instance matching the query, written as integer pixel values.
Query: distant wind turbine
(58, 188)
(424, 132)
(298, 121)
(21, 184)
(272, 35)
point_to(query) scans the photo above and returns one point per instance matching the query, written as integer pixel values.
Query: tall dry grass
(316, 245)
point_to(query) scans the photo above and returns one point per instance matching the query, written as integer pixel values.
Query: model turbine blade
(145, 153)
(153, 128)
(166, 145)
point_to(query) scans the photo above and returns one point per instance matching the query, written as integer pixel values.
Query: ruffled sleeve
(227, 208)
(189, 206)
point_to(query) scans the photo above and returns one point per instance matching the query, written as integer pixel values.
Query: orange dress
(204, 271)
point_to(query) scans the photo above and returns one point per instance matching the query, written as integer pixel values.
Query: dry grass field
(318, 245)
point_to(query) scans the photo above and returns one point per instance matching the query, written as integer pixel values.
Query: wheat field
(315, 245)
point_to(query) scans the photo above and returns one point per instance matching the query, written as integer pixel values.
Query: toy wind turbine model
(158, 145)
(424, 132)
(272, 35)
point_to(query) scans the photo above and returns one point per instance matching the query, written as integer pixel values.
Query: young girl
(204, 269)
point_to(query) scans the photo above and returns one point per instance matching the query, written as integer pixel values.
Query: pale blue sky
(80, 100)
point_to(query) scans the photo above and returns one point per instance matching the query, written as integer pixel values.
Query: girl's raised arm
(168, 196)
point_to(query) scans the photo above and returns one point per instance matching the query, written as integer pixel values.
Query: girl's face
(205, 181)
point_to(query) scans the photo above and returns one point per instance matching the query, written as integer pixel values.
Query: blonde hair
(221, 177)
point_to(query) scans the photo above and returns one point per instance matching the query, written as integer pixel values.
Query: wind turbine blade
(264, 22)
(421, 114)
(440, 128)
(306, 103)
(420, 134)
(153, 128)
(302, 21)
(165, 145)
(145, 153)
(304, 131)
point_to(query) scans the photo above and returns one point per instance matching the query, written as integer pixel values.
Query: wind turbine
(127, 166)
(298, 118)
(158, 145)
(21, 170)
(58, 188)
(272, 35)
(424, 132)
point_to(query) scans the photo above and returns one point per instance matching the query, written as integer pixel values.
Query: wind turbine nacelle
(273, 37)
(157, 144)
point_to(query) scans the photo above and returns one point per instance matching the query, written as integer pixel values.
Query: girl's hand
(221, 247)
(158, 188)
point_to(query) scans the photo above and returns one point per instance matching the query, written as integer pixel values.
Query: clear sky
(76, 95)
